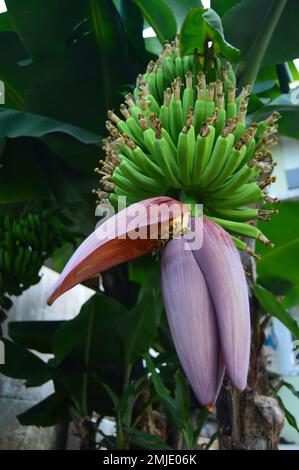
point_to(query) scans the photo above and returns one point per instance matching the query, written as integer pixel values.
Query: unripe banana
(175, 118)
(188, 96)
(132, 173)
(203, 149)
(167, 162)
(236, 181)
(186, 146)
(243, 214)
(222, 149)
(251, 192)
(232, 162)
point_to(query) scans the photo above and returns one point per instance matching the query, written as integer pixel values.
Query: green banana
(210, 104)
(188, 96)
(175, 118)
(242, 214)
(167, 162)
(179, 71)
(129, 187)
(132, 173)
(249, 193)
(234, 182)
(186, 146)
(221, 150)
(202, 153)
(232, 162)
(243, 229)
(147, 165)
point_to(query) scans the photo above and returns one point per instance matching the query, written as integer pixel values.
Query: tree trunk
(253, 419)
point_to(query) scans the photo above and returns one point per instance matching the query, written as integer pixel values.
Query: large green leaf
(245, 20)
(52, 410)
(23, 124)
(221, 6)
(34, 334)
(40, 176)
(139, 328)
(281, 263)
(5, 22)
(91, 339)
(23, 364)
(276, 269)
(283, 228)
(160, 17)
(181, 9)
(275, 308)
(201, 26)
(81, 64)
(292, 297)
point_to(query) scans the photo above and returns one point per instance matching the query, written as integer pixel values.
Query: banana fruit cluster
(24, 245)
(184, 137)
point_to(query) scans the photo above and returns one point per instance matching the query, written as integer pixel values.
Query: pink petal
(192, 321)
(221, 266)
(111, 243)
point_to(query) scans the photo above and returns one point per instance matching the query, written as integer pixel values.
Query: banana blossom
(204, 289)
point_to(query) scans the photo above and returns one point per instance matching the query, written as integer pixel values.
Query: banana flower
(204, 289)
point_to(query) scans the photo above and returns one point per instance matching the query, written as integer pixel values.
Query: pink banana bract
(204, 290)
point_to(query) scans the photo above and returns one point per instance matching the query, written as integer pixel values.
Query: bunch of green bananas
(185, 138)
(25, 243)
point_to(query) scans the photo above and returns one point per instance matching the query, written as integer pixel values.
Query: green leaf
(288, 124)
(79, 66)
(5, 22)
(275, 308)
(280, 263)
(50, 411)
(182, 396)
(41, 175)
(23, 124)
(90, 341)
(291, 298)
(133, 23)
(139, 328)
(181, 9)
(288, 415)
(201, 26)
(221, 6)
(244, 21)
(143, 440)
(34, 334)
(284, 226)
(23, 364)
(160, 17)
(167, 401)
(291, 388)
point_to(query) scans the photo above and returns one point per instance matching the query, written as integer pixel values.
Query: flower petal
(192, 321)
(221, 265)
(130, 233)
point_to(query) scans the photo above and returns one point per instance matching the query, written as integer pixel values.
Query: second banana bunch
(182, 136)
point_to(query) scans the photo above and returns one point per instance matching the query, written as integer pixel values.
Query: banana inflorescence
(25, 243)
(184, 137)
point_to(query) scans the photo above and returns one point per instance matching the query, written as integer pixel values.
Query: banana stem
(261, 43)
